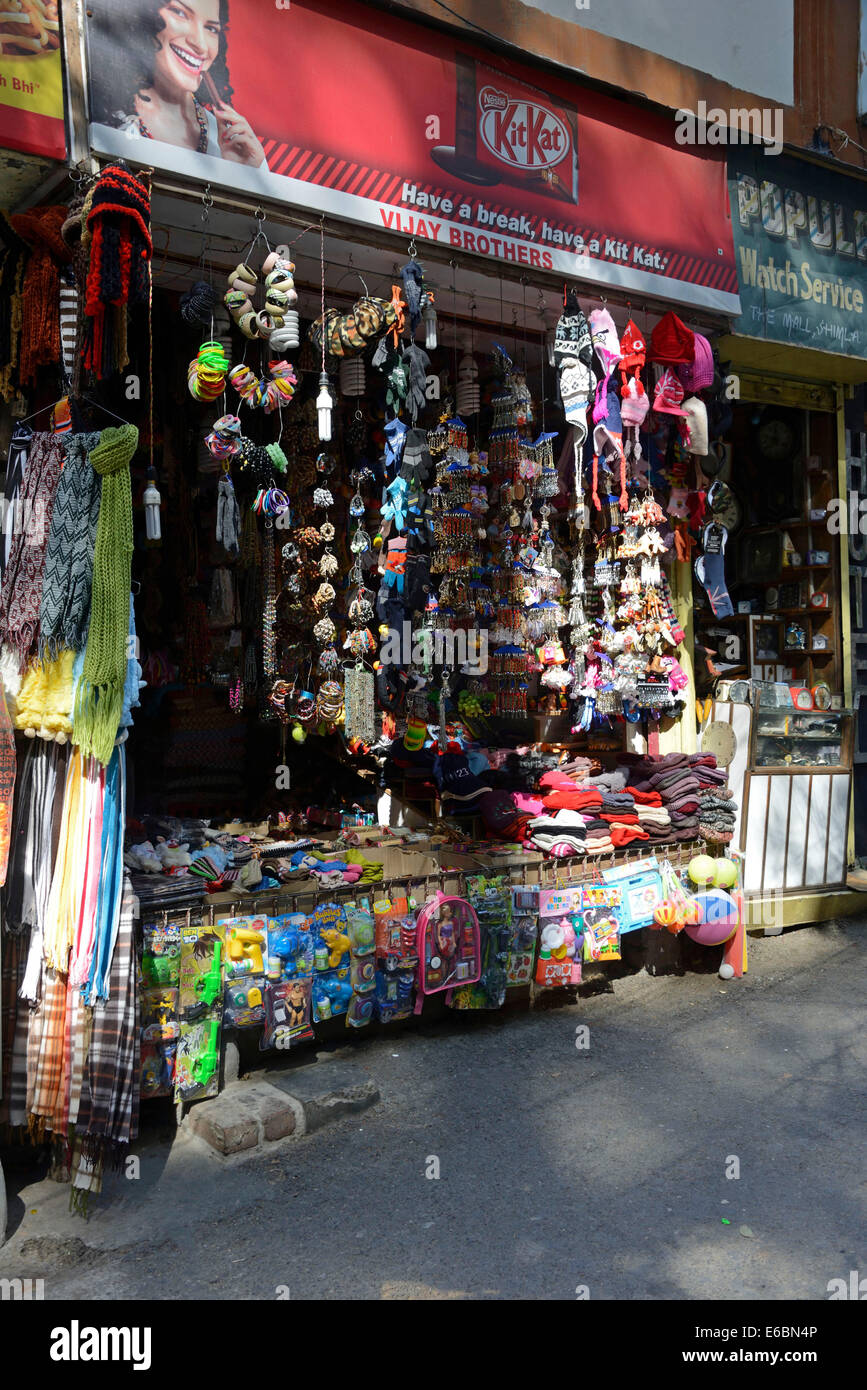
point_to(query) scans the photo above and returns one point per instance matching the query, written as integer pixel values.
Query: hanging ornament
(352, 376)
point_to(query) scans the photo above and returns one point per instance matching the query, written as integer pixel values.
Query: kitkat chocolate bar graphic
(506, 132)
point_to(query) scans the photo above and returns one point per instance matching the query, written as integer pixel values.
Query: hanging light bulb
(429, 319)
(152, 501)
(324, 406)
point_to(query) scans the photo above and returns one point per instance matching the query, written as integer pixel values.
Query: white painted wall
(747, 44)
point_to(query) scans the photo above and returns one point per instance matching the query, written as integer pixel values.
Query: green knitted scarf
(99, 698)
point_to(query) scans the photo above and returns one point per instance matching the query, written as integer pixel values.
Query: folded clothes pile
(716, 816)
(559, 832)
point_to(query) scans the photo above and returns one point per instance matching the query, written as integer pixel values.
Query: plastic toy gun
(337, 943)
(209, 986)
(206, 1064)
(244, 943)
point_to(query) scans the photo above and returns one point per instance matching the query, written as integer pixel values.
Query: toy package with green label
(332, 985)
(447, 945)
(197, 1061)
(395, 932)
(287, 1013)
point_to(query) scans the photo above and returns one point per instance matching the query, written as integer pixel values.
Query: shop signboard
(800, 233)
(31, 78)
(365, 115)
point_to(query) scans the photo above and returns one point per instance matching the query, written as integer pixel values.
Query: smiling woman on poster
(158, 72)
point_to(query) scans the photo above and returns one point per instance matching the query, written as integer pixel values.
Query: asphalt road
(558, 1167)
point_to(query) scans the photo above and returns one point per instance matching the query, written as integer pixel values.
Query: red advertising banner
(340, 108)
(31, 78)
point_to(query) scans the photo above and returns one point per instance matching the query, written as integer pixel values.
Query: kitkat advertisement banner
(31, 78)
(346, 110)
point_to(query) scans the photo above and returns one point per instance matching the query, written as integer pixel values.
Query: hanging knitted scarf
(66, 583)
(118, 227)
(40, 296)
(99, 698)
(21, 596)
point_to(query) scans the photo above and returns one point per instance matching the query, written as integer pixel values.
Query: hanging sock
(710, 569)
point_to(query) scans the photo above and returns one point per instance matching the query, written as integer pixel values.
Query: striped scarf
(69, 554)
(99, 699)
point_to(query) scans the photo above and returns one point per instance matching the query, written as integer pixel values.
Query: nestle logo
(492, 100)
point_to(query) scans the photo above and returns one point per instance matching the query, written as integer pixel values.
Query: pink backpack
(448, 945)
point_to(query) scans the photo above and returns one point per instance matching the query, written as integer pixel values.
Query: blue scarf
(110, 893)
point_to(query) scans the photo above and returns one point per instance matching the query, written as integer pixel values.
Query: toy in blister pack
(290, 947)
(246, 947)
(161, 955)
(159, 1014)
(330, 937)
(394, 995)
(332, 986)
(525, 931)
(197, 1061)
(601, 918)
(287, 1013)
(395, 934)
(448, 946)
(200, 971)
(560, 929)
(244, 1002)
(361, 928)
(157, 1069)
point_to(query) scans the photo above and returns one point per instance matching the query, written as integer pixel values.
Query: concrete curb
(248, 1115)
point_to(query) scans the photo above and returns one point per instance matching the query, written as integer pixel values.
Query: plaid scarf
(108, 1113)
(65, 604)
(45, 1106)
(21, 595)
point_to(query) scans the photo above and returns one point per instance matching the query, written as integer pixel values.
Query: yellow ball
(726, 874)
(702, 869)
(298, 734)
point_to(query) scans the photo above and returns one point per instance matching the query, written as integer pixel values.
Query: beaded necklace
(202, 146)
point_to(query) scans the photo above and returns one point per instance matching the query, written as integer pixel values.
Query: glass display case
(790, 739)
